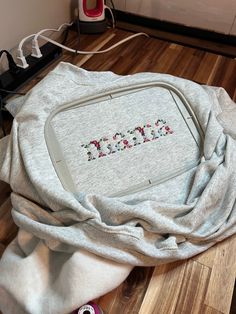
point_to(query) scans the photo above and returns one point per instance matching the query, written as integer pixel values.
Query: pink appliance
(92, 16)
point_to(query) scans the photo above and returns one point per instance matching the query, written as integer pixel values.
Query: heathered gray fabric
(138, 164)
(176, 219)
(106, 226)
(37, 280)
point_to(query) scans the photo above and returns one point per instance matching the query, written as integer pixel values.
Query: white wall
(120, 4)
(233, 29)
(19, 18)
(215, 15)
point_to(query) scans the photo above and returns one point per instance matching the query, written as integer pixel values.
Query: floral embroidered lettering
(120, 141)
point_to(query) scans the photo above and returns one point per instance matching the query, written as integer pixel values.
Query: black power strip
(13, 81)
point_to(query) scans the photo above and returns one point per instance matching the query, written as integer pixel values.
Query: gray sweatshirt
(137, 169)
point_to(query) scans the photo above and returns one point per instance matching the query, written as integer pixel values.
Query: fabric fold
(71, 244)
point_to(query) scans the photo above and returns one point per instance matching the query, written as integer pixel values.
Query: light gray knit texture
(174, 220)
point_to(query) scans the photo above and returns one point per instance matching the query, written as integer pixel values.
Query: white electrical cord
(112, 15)
(22, 63)
(35, 46)
(93, 52)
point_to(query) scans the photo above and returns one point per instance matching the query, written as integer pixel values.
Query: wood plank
(209, 310)
(206, 68)
(165, 58)
(121, 59)
(225, 75)
(128, 297)
(216, 66)
(5, 191)
(194, 62)
(8, 229)
(221, 284)
(182, 62)
(147, 58)
(103, 62)
(163, 291)
(98, 47)
(193, 288)
(207, 258)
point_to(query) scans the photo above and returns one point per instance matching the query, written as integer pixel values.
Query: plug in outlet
(36, 52)
(13, 81)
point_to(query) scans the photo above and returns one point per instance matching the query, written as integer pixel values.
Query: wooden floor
(205, 283)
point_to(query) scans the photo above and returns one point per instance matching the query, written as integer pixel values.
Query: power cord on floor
(93, 52)
(36, 49)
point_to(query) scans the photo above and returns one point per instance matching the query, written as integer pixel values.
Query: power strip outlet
(12, 82)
